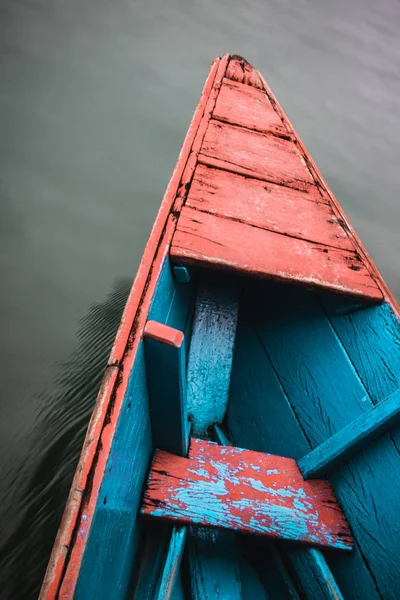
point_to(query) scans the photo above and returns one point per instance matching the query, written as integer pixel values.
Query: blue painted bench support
(346, 442)
(211, 349)
(181, 274)
(166, 381)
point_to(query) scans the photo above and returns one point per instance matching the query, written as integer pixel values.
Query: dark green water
(95, 99)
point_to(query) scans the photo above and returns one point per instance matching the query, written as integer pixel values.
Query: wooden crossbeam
(351, 438)
(232, 488)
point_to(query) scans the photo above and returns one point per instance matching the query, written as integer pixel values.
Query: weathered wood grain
(202, 238)
(211, 350)
(346, 442)
(267, 206)
(273, 158)
(248, 107)
(222, 486)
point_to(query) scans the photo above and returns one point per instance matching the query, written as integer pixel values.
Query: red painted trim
(388, 296)
(63, 569)
(163, 333)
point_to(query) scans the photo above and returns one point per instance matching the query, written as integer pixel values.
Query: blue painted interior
(108, 562)
(305, 366)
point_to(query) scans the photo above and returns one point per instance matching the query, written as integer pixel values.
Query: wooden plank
(172, 563)
(248, 107)
(211, 350)
(166, 382)
(205, 239)
(346, 442)
(273, 158)
(267, 206)
(222, 486)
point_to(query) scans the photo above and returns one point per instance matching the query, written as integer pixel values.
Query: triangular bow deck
(254, 204)
(243, 490)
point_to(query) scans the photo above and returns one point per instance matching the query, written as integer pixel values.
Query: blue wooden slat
(211, 350)
(172, 563)
(166, 382)
(114, 538)
(346, 442)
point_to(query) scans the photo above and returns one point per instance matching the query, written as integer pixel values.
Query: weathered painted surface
(205, 239)
(268, 156)
(267, 206)
(248, 107)
(166, 383)
(346, 442)
(222, 486)
(211, 350)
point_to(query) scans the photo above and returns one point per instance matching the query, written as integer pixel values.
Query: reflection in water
(57, 442)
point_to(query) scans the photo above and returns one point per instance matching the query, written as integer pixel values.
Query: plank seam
(230, 167)
(289, 235)
(282, 136)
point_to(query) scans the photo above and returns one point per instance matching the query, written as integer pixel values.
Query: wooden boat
(259, 353)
